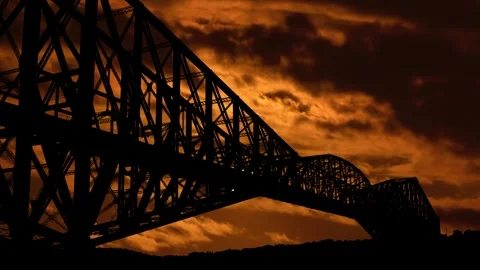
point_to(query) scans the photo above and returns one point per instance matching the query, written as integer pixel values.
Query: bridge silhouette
(110, 126)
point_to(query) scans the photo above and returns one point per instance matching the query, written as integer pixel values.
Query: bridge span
(110, 125)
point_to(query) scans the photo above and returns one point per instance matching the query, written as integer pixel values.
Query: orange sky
(390, 87)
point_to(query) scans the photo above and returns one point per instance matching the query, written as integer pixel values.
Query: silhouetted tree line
(459, 243)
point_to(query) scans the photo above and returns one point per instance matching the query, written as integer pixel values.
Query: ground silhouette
(459, 244)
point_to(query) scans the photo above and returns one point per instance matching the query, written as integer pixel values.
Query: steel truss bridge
(110, 126)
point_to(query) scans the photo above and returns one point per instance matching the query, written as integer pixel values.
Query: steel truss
(110, 126)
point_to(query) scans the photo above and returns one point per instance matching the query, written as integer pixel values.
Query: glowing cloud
(188, 232)
(280, 238)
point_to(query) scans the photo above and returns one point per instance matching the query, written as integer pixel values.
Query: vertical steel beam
(29, 105)
(137, 74)
(256, 148)
(208, 132)
(175, 116)
(135, 101)
(188, 132)
(271, 154)
(159, 135)
(83, 121)
(236, 134)
(175, 109)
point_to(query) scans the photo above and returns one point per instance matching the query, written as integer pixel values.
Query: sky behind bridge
(391, 86)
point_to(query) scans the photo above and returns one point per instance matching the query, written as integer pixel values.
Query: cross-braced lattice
(111, 126)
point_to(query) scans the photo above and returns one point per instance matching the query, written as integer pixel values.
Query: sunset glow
(391, 88)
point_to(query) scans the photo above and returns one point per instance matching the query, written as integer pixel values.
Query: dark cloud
(459, 217)
(473, 167)
(379, 167)
(441, 189)
(349, 126)
(174, 230)
(379, 161)
(288, 99)
(344, 109)
(431, 13)
(249, 79)
(299, 24)
(282, 95)
(373, 111)
(430, 84)
(352, 106)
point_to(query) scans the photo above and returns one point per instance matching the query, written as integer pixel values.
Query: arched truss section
(331, 177)
(397, 207)
(403, 196)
